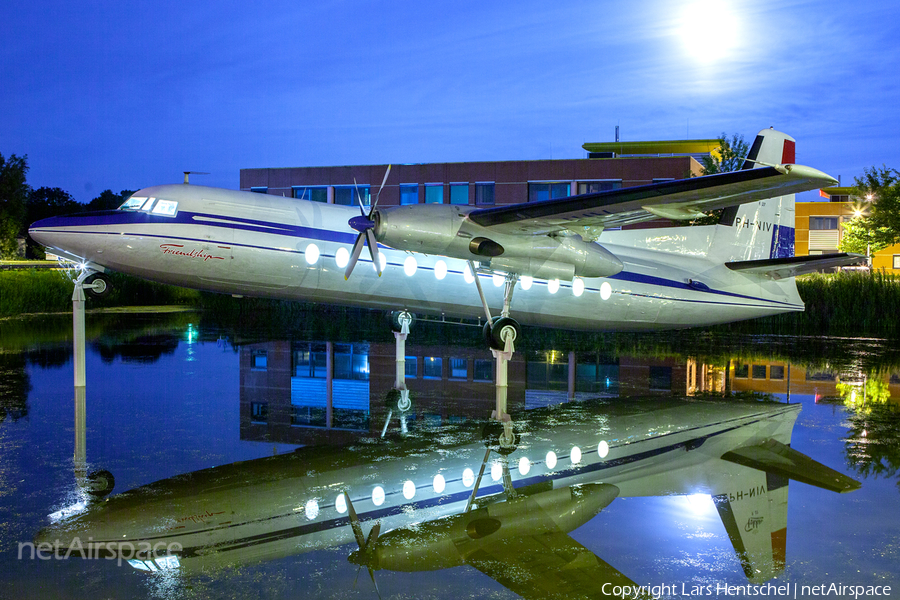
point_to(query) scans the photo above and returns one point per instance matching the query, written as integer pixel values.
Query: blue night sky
(123, 95)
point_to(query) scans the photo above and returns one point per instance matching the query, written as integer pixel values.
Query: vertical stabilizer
(763, 229)
(754, 514)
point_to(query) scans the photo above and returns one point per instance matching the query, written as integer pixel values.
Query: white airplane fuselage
(252, 244)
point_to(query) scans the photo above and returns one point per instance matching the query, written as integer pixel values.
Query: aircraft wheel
(491, 434)
(394, 400)
(397, 317)
(101, 285)
(100, 483)
(496, 331)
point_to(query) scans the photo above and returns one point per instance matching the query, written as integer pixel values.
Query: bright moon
(709, 30)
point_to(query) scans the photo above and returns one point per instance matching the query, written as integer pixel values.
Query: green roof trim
(654, 148)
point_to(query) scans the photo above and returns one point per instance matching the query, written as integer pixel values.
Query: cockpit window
(165, 207)
(133, 203)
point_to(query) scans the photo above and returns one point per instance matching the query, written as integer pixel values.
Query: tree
(729, 156)
(13, 197)
(42, 203)
(107, 200)
(879, 188)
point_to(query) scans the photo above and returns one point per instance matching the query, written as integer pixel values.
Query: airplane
(574, 267)
(445, 502)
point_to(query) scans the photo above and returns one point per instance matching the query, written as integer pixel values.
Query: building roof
(654, 148)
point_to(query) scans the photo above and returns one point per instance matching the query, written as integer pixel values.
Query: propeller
(365, 225)
(366, 553)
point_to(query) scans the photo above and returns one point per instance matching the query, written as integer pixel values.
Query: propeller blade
(383, 181)
(354, 523)
(362, 209)
(372, 575)
(373, 536)
(354, 256)
(373, 250)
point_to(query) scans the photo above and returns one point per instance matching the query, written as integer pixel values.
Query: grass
(854, 303)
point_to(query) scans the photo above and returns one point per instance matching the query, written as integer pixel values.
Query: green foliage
(861, 237)
(48, 291)
(13, 197)
(729, 156)
(880, 188)
(107, 200)
(849, 303)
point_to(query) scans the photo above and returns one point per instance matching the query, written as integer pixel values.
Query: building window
(412, 367)
(459, 193)
(897, 261)
(759, 371)
(259, 412)
(819, 223)
(351, 361)
(259, 360)
(260, 190)
(592, 187)
(310, 360)
(538, 192)
(661, 378)
(433, 367)
(484, 369)
(776, 372)
(345, 195)
(484, 193)
(434, 193)
(459, 368)
(316, 194)
(742, 371)
(409, 193)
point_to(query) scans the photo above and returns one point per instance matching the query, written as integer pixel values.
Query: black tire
(101, 283)
(394, 319)
(100, 483)
(491, 437)
(493, 331)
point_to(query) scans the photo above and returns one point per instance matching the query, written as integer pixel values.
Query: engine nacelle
(444, 230)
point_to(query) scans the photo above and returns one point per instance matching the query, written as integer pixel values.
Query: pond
(691, 463)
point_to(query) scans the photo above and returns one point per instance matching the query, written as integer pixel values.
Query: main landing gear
(500, 333)
(398, 397)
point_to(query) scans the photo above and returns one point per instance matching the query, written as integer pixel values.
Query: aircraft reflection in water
(570, 462)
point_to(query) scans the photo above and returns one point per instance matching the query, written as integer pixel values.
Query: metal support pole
(78, 332)
(329, 384)
(487, 310)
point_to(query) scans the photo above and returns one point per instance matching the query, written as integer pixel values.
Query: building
(609, 166)
(819, 231)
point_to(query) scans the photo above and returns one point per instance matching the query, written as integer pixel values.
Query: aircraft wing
(549, 564)
(779, 268)
(681, 199)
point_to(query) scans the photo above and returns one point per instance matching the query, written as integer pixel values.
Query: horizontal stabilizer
(774, 457)
(779, 268)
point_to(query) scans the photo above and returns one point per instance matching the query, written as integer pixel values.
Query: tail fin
(763, 229)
